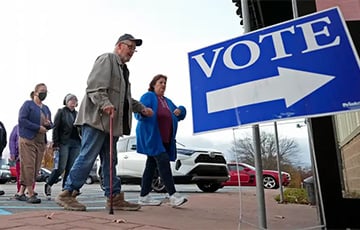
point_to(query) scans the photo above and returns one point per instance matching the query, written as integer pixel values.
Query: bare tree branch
(288, 149)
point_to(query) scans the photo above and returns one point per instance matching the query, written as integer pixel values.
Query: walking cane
(111, 211)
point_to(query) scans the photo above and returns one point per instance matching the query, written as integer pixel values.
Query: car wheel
(270, 182)
(209, 187)
(89, 180)
(158, 185)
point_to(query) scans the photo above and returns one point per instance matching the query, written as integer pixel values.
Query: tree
(245, 151)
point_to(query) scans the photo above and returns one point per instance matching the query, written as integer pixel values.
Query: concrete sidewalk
(202, 211)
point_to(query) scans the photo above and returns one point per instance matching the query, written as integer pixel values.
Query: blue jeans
(93, 143)
(67, 156)
(162, 163)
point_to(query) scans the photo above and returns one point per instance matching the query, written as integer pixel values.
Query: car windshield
(249, 166)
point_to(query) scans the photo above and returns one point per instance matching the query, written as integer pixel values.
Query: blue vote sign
(300, 68)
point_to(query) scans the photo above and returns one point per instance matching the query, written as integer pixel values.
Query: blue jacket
(148, 138)
(30, 118)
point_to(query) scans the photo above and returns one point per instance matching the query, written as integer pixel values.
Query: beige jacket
(106, 86)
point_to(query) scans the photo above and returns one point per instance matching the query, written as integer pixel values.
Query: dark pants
(162, 163)
(68, 153)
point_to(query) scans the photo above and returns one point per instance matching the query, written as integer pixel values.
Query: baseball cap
(124, 37)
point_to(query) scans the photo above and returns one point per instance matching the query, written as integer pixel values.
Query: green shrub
(294, 195)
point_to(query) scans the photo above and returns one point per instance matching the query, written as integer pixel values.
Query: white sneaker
(176, 200)
(148, 201)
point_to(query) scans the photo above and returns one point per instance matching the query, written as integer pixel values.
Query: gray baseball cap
(129, 37)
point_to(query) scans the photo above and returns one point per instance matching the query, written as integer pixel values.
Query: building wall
(350, 155)
(349, 8)
(347, 125)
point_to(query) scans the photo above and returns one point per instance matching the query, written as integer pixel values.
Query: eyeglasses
(132, 48)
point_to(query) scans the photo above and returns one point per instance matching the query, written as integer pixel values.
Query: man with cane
(107, 100)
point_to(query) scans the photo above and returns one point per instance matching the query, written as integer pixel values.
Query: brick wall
(350, 154)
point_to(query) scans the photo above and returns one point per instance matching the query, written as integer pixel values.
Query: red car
(12, 168)
(248, 178)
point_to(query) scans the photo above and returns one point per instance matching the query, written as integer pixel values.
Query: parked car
(247, 175)
(44, 174)
(12, 168)
(5, 174)
(11, 165)
(204, 167)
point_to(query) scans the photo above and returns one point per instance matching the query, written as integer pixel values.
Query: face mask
(42, 96)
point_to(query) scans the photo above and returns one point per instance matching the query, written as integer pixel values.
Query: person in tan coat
(107, 95)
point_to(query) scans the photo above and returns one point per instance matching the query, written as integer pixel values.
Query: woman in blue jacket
(34, 122)
(155, 137)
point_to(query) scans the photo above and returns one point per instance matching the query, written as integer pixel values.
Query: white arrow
(290, 85)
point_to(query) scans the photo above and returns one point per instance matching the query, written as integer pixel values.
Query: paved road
(92, 196)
